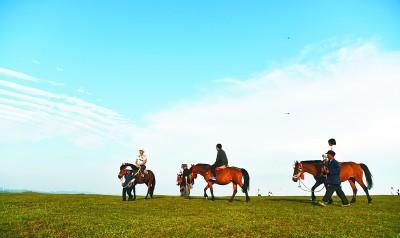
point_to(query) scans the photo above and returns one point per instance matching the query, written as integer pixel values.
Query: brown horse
(349, 171)
(224, 176)
(149, 179)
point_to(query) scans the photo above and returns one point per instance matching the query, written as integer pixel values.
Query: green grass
(44, 215)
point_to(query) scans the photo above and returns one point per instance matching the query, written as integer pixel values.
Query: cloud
(51, 115)
(351, 93)
(81, 90)
(18, 75)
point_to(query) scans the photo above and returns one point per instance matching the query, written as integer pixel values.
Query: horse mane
(123, 166)
(200, 164)
(311, 161)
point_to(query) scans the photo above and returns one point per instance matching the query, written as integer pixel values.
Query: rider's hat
(141, 150)
(331, 152)
(128, 168)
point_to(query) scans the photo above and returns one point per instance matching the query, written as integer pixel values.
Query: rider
(333, 181)
(221, 161)
(331, 143)
(141, 161)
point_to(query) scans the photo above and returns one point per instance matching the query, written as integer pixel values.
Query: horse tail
(246, 183)
(368, 175)
(153, 184)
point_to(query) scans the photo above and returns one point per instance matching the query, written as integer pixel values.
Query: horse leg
(317, 183)
(361, 182)
(148, 184)
(123, 194)
(205, 192)
(134, 191)
(129, 190)
(353, 186)
(212, 192)
(234, 191)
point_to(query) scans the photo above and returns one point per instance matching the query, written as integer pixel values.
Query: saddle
(221, 168)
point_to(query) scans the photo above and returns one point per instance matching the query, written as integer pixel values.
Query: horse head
(298, 171)
(121, 171)
(193, 171)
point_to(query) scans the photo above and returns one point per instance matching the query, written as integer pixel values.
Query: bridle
(300, 174)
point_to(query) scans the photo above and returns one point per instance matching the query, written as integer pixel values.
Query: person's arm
(144, 160)
(334, 168)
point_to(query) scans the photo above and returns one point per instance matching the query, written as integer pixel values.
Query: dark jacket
(128, 178)
(221, 159)
(334, 172)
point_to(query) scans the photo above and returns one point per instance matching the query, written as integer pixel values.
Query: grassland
(44, 215)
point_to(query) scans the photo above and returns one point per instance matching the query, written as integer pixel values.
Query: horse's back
(350, 169)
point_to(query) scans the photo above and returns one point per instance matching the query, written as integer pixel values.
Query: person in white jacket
(140, 162)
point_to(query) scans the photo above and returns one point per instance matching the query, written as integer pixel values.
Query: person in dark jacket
(221, 161)
(126, 186)
(333, 182)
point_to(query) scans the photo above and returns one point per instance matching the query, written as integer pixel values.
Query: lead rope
(307, 189)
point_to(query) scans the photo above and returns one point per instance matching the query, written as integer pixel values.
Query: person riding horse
(220, 162)
(140, 162)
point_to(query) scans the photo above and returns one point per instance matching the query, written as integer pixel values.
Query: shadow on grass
(293, 200)
(216, 199)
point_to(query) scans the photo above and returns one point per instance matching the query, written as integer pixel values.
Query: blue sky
(147, 60)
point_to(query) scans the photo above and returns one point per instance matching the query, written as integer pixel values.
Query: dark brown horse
(224, 176)
(349, 171)
(149, 179)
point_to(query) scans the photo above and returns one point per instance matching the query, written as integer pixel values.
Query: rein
(307, 189)
(130, 183)
(300, 176)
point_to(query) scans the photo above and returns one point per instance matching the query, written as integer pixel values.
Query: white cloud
(81, 90)
(18, 75)
(352, 94)
(52, 115)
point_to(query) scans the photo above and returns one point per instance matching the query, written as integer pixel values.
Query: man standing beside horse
(333, 180)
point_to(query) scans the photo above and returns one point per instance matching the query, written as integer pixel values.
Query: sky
(84, 85)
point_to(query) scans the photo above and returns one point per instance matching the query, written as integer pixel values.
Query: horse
(224, 176)
(349, 171)
(149, 179)
(184, 180)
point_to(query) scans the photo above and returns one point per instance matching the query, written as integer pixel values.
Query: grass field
(44, 215)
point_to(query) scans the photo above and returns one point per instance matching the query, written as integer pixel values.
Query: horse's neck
(203, 170)
(310, 168)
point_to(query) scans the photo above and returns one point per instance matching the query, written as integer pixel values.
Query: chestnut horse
(224, 176)
(349, 171)
(149, 179)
